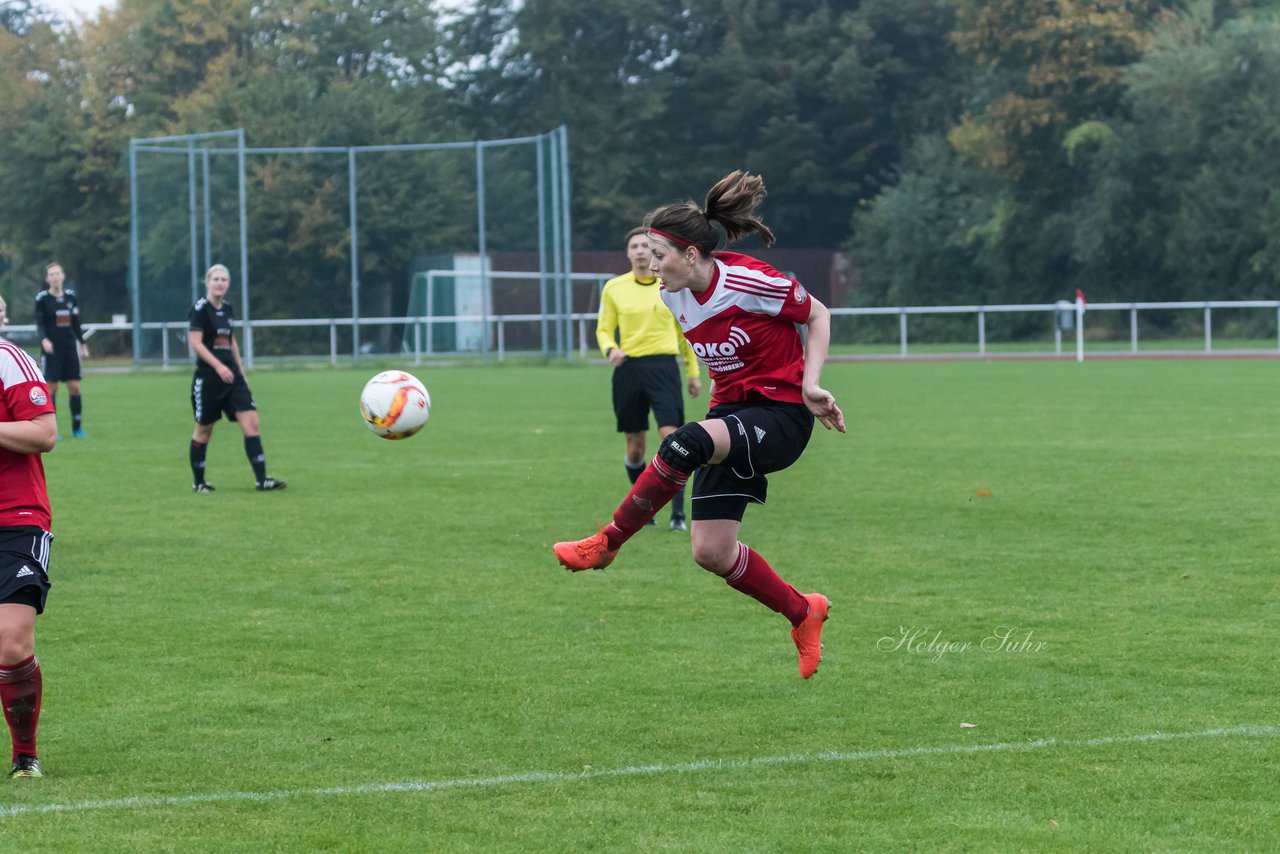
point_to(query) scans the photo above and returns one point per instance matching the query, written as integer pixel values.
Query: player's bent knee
(687, 449)
(16, 653)
(713, 562)
(15, 646)
(714, 557)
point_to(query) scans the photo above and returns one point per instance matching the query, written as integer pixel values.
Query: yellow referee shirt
(642, 322)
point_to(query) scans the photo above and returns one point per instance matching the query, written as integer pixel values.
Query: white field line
(631, 771)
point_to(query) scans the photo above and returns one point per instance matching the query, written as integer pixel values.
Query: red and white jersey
(24, 499)
(743, 329)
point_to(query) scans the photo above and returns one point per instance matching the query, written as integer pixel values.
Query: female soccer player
(62, 340)
(740, 316)
(218, 385)
(27, 430)
(643, 355)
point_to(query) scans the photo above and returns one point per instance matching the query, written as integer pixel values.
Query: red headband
(680, 240)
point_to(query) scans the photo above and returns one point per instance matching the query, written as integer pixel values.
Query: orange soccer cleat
(808, 635)
(591, 553)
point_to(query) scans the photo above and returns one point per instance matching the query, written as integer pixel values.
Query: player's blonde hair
(209, 272)
(731, 203)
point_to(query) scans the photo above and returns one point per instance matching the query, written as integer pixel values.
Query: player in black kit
(219, 386)
(61, 340)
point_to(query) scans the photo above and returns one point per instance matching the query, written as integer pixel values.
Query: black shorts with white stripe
(24, 565)
(63, 364)
(763, 438)
(211, 398)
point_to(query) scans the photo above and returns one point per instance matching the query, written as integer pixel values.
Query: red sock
(753, 576)
(654, 488)
(20, 690)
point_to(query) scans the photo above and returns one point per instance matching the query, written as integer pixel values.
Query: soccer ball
(395, 404)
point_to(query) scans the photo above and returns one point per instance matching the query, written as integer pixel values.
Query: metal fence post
(136, 296)
(244, 251)
(484, 260)
(191, 219)
(355, 256)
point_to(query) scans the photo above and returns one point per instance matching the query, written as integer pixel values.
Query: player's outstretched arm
(821, 402)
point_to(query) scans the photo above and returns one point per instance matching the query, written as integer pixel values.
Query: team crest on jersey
(801, 295)
(38, 396)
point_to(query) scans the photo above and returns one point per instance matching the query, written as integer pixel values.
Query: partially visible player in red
(740, 315)
(27, 430)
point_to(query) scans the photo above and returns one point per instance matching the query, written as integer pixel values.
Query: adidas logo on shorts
(25, 571)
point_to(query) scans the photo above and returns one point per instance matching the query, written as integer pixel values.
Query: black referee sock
(75, 412)
(677, 505)
(196, 454)
(633, 471)
(253, 450)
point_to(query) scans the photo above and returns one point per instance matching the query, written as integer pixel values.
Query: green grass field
(386, 657)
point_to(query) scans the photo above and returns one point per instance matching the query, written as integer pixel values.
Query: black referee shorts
(644, 383)
(763, 439)
(62, 364)
(24, 566)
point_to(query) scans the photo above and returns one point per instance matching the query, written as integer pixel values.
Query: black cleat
(678, 523)
(25, 766)
(268, 483)
(202, 487)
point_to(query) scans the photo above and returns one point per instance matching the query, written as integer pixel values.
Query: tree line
(961, 151)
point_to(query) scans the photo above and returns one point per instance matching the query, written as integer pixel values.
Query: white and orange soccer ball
(395, 404)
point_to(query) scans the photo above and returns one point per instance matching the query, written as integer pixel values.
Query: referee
(640, 338)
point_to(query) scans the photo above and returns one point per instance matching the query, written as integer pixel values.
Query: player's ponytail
(731, 203)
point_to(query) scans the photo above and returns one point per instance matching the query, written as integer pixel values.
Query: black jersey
(214, 328)
(58, 318)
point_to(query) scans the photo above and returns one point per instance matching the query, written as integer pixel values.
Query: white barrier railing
(497, 325)
(1078, 313)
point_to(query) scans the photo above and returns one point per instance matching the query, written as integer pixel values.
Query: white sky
(74, 10)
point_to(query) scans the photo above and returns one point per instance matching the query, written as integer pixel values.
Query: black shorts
(211, 398)
(62, 364)
(24, 566)
(763, 438)
(643, 383)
